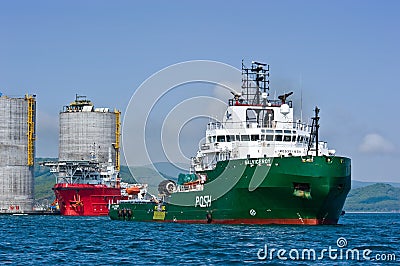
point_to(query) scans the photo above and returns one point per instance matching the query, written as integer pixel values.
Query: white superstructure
(256, 127)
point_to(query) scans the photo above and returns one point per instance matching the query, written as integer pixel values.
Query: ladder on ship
(314, 132)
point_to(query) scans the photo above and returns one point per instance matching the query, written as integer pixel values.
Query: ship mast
(314, 131)
(255, 82)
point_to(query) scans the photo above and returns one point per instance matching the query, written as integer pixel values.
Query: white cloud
(375, 143)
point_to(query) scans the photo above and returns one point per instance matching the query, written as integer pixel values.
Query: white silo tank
(17, 153)
(88, 133)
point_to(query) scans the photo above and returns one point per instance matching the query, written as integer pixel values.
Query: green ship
(257, 166)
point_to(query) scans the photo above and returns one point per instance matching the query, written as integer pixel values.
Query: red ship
(87, 173)
(86, 188)
(85, 199)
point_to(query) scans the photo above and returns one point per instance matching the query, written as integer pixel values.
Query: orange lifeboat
(132, 190)
(192, 183)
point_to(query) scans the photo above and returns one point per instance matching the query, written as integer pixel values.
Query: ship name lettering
(203, 201)
(258, 161)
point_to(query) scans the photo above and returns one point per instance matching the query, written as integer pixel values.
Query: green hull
(288, 190)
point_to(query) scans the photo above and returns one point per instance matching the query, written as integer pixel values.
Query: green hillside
(374, 198)
(44, 181)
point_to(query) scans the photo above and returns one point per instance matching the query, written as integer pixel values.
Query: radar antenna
(284, 97)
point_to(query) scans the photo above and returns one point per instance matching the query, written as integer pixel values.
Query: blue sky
(344, 55)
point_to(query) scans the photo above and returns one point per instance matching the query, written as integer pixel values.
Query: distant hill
(357, 184)
(149, 176)
(126, 175)
(378, 197)
(44, 181)
(171, 170)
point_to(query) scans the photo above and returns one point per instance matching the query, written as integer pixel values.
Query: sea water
(62, 240)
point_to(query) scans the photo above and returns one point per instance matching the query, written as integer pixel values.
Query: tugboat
(257, 166)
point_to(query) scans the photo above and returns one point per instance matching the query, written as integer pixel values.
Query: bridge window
(287, 138)
(262, 137)
(251, 116)
(278, 137)
(263, 117)
(267, 116)
(255, 137)
(220, 138)
(269, 137)
(245, 138)
(237, 137)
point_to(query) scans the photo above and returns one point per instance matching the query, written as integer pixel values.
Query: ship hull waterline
(288, 190)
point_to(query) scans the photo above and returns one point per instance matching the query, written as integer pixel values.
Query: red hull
(85, 199)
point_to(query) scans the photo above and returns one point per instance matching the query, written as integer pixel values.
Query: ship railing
(291, 125)
(214, 126)
(188, 188)
(281, 125)
(225, 125)
(234, 125)
(268, 124)
(270, 103)
(136, 201)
